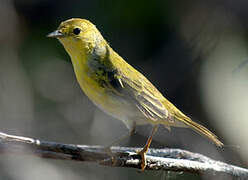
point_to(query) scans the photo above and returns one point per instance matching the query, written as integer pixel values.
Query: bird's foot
(143, 164)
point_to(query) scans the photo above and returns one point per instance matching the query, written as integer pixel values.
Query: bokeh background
(194, 51)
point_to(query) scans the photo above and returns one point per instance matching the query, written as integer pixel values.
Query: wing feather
(123, 80)
(144, 95)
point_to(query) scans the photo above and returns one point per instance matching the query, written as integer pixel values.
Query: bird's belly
(117, 106)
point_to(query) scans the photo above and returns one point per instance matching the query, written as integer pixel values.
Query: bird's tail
(201, 130)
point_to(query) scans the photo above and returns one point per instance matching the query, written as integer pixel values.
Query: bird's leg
(143, 152)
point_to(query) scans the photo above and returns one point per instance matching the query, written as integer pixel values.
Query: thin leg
(143, 152)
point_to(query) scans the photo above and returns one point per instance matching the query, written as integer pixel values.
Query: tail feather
(202, 130)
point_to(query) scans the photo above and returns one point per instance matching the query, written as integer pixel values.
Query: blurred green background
(193, 51)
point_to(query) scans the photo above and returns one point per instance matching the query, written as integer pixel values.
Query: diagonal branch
(157, 159)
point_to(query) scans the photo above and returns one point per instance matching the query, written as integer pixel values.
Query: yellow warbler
(115, 86)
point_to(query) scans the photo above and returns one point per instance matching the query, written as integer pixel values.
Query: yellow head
(78, 36)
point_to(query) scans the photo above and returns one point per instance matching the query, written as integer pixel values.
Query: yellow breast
(113, 105)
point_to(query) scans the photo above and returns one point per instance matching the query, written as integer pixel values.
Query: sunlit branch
(157, 159)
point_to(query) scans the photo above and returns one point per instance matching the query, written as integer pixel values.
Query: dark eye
(76, 31)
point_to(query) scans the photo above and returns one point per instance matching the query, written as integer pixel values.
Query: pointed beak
(55, 34)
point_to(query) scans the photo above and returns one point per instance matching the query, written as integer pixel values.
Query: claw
(143, 152)
(143, 164)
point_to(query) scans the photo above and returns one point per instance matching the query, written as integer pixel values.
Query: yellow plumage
(114, 85)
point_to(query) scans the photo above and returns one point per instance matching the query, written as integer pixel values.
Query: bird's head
(78, 35)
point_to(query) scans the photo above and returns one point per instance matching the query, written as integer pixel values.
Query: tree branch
(157, 159)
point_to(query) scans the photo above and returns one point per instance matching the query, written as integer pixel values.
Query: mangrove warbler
(115, 86)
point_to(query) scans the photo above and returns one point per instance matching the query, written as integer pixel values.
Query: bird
(116, 87)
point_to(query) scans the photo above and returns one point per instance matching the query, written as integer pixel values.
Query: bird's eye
(76, 31)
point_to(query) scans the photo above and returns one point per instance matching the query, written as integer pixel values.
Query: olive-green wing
(123, 80)
(145, 96)
(130, 84)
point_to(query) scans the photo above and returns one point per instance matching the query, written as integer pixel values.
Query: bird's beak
(55, 34)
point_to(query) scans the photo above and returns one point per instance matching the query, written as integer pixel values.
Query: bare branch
(157, 159)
